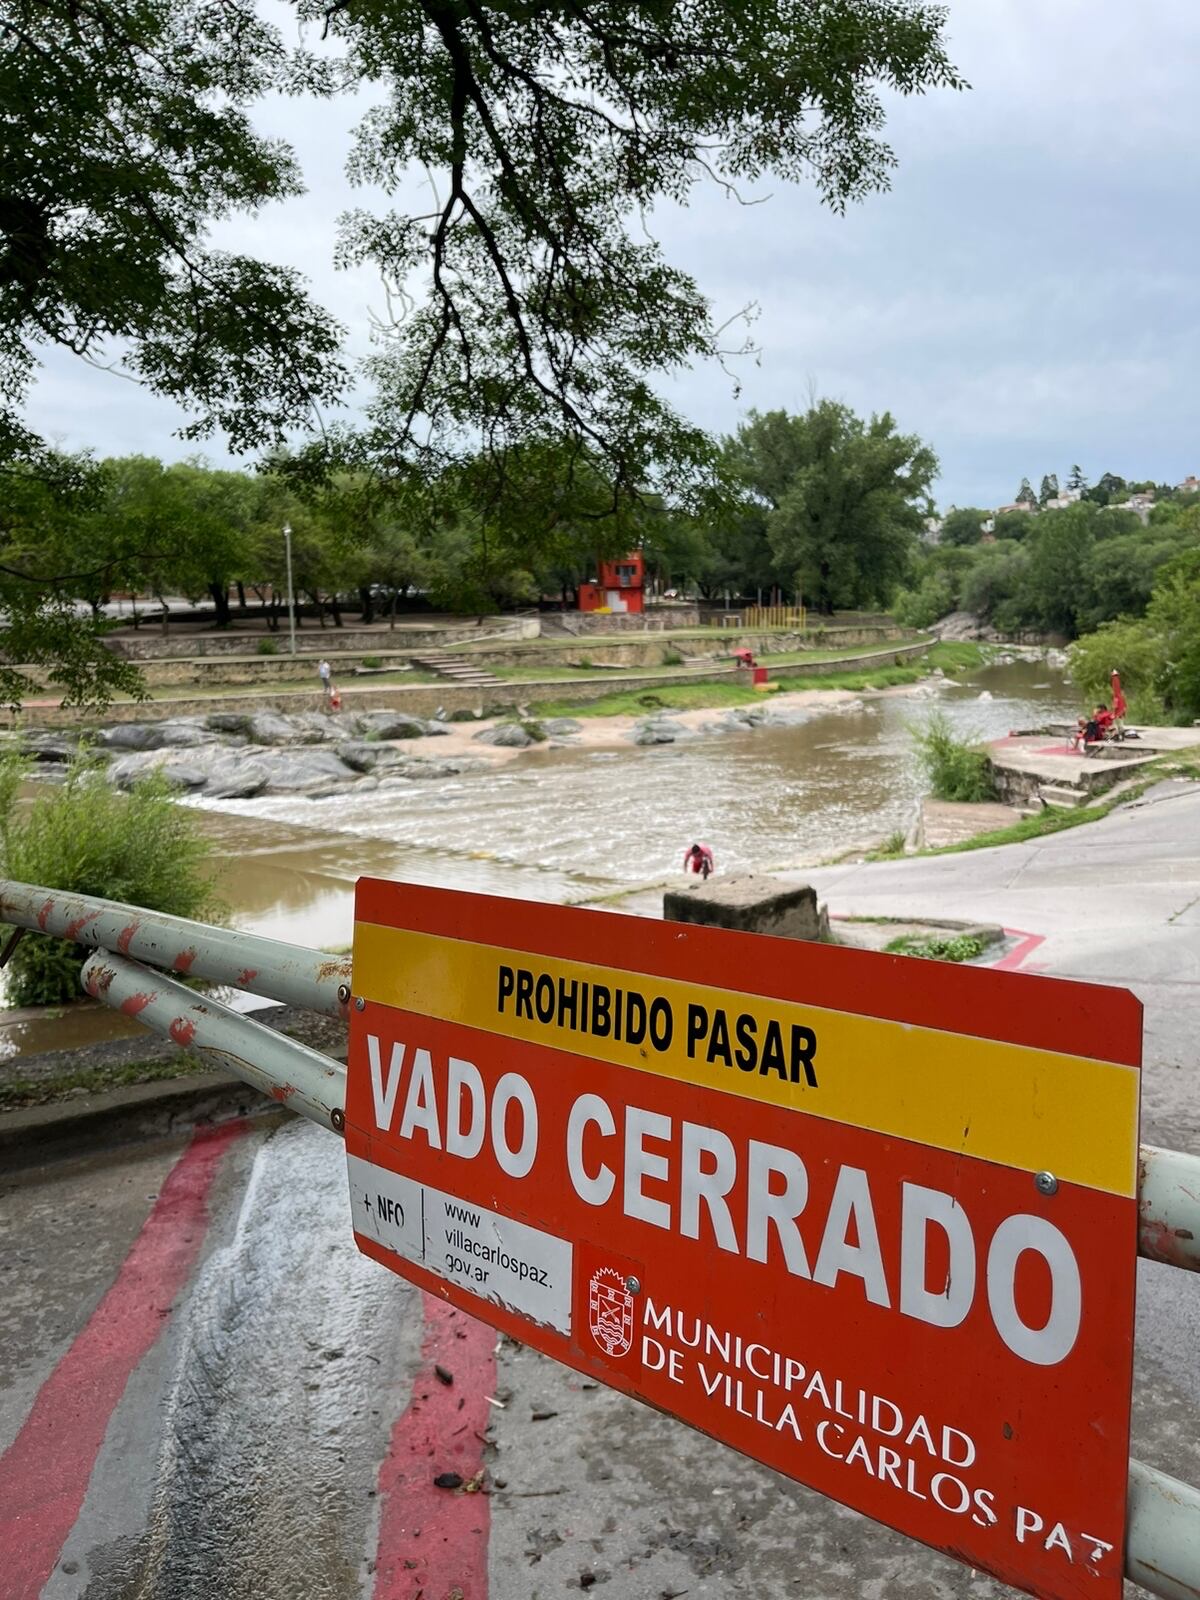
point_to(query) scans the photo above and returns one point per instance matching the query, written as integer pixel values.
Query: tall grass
(955, 769)
(87, 838)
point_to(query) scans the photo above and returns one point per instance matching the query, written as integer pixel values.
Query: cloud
(1023, 297)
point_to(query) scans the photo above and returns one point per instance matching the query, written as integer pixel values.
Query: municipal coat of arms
(610, 1312)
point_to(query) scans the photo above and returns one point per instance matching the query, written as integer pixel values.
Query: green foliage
(894, 844)
(1025, 495)
(372, 662)
(1049, 489)
(1158, 657)
(138, 848)
(672, 658)
(963, 525)
(267, 647)
(923, 606)
(937, 946)
(954, 769)
(840, 500)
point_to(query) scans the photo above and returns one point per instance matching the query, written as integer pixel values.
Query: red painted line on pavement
(44, 1474)
(433, 1542)
(1017, 955)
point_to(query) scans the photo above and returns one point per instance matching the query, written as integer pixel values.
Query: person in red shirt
(1104, 719)
(699, 858)
(745, 658)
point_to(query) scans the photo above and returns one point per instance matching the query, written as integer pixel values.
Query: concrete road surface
(206, 1392)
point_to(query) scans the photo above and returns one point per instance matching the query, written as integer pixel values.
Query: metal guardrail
(1162, 1551)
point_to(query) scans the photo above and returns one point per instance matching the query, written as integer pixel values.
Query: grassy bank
(1055, 819)
(951, 658)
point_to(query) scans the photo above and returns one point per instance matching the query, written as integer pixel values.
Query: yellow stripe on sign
(1031, 1109)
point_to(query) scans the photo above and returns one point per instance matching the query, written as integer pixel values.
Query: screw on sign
(871, 1221)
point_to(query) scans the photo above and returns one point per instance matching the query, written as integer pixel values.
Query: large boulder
(235, 722)
(295, 771)
(391, 725)
(509, 735)
(183, 772)
(42, 747)
(272, 728)
(558, 726)
(361, 754)
(151, 736)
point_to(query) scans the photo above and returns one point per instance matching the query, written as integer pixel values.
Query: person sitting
(745, 658)
(1104, 720)
(699, 858)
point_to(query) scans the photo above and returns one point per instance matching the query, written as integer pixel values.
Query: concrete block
(749, 903)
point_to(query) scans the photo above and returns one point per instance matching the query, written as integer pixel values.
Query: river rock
(390, 725)
(151, 736)
(182, 772)
(509, 735)
(415, 771)
(235, 722)
(272, 728)
(360, 754)
(42, 747)
(296, 771)
(660, 731)
(558, 726)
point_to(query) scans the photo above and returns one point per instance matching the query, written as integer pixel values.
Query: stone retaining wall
(424, 699)
(150, 644)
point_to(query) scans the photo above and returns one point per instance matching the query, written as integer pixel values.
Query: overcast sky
(1025, 297)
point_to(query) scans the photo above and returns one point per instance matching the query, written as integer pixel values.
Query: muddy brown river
(571, 825)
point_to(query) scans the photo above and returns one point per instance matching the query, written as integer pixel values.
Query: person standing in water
(699, 858)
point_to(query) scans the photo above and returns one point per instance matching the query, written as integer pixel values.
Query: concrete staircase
(458, 669)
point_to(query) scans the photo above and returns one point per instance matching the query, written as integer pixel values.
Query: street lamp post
(287, 544)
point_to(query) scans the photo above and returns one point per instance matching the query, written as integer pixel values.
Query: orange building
(620, 586)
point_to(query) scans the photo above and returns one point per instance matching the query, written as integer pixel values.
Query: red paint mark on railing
(283, 1092)
(434, 1541)
(76, 926)
(246, 976)
(182, 1030)
(44, 1473)
(134, 1003)
(125, 937)
(183, 961)
(44, 914)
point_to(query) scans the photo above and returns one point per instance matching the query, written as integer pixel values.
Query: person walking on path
(699, 858)
(325, 673)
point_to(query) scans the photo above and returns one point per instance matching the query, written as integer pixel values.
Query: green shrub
(924, 605)
(586, 663)
(372, 661)
(956, 770)
(937, 946)
(86, 837)
(535, 730)
(672, 658)
(267, 647)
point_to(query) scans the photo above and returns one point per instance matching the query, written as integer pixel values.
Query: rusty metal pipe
(1162, 1545)
(288, 973)
(290, 1073)
(1169, 1207)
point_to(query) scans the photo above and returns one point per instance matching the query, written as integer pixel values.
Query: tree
(964, 525)
(548, 133)
(844, 499)
(1076, 479)
(1109, 488)
(1049, 489)
(1025, 494)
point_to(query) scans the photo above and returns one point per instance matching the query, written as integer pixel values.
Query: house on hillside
(1190, 485)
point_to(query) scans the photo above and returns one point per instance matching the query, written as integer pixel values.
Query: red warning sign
(867, 1219)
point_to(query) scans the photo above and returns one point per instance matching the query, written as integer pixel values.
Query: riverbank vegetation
(86, 837)
(956, 769)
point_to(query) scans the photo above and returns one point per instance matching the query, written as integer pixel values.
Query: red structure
(620, 586)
